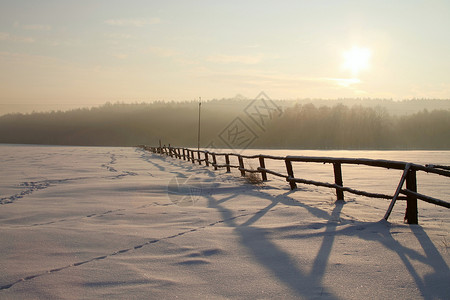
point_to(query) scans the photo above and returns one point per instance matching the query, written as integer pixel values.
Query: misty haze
(224, 149)
(297, 125)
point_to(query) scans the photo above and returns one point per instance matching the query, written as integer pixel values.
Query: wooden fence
(409, 176)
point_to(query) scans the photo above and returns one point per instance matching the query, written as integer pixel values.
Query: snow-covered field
(94, 222)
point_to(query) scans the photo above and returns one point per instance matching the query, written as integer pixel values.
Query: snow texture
(121, 223)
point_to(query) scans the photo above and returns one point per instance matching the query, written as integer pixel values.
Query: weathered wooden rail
(409, 176)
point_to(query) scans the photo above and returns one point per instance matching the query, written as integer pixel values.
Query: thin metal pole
(198, 134)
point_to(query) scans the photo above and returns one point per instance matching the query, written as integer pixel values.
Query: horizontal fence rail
(409, 176)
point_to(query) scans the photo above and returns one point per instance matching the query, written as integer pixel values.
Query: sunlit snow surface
(95, 222)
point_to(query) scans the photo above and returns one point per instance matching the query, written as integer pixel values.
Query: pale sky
(65, 54)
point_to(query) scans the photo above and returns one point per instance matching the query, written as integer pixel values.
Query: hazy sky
(62, 54)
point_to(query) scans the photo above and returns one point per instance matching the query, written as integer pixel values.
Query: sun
(356, 59)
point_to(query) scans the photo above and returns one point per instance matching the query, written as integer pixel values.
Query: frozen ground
(81, 222)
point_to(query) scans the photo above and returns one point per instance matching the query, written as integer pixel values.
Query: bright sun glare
(356, 59)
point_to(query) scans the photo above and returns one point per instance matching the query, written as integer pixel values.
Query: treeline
(302, 126)
(116, 124)
(358, 127)
(398, 108)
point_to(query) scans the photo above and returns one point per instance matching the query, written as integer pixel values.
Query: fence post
(241, 165)
(227, 161)
(290, 172)
(184, 154)
(338, 180)
(179, 153)
(193, 157)
(263, 165)
(206, 159)
(199, 158)
(214, 160)
(411, 201)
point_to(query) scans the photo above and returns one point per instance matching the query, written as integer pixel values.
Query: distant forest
(295, 125)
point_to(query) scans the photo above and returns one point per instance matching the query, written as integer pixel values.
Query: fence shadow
(282, 265)
(269, 255)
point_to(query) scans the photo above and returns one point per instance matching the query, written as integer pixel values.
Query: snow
(95, 222)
